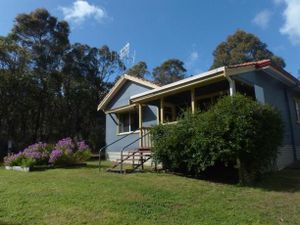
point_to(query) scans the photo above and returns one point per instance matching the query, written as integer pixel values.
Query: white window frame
(297, 109)
(118, 126)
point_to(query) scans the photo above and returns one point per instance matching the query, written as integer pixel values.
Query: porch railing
(104, 147)
(145, 137)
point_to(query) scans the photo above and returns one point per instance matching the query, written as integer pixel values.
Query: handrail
(104, 147)
(125, 147)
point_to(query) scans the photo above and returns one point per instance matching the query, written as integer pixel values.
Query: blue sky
(161, 29)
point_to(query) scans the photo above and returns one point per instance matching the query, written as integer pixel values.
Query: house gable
(121, 98)
(120, 93)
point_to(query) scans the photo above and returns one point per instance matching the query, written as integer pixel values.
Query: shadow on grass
(94, 166)
(287, 180)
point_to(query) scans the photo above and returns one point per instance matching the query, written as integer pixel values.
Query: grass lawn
(85, 196)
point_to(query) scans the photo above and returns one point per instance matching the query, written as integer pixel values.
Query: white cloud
(81, 10)
(192, 62)
(192, 58)
(262, 19)
(291, 17)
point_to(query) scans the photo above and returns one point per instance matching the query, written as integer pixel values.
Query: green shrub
(166, 139)
(82, 156)
(23, 161)
(236, 129)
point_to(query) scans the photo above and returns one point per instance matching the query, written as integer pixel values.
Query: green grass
(85, 196)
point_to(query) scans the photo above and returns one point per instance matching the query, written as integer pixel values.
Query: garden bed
(18, 168)
(43, 167)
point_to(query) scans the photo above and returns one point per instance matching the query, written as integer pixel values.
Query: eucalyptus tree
(138, 70)
(243, 47)
(169, 71)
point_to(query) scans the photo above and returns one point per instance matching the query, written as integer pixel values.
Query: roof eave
(182, 83)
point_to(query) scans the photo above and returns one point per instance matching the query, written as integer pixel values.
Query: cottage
(133, 105)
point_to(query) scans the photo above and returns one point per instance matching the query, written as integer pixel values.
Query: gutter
(231, 82)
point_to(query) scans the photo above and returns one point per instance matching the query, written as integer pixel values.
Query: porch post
(232, 89)
(162, 110)
(141, 124)
(193, 100)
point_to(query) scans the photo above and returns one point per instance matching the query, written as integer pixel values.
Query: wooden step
(144, 149)
(115, 170)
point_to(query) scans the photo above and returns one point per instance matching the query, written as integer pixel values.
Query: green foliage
(243, 47)
(138, 70)
(166, 138)
(169, 71)
(82, 156)
(234, 129)
(23, 161)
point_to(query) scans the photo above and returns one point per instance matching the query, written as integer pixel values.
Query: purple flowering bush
(66, 151)
(82, 152)
(36, 154)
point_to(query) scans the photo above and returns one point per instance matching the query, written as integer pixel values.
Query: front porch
(197, 98)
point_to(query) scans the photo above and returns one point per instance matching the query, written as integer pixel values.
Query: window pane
(123, 122)
(168, 114)
(134, 120)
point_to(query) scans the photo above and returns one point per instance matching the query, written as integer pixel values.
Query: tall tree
(169, 71)
(243, 47)
(86, 71)
(138, 70)
(45, 39)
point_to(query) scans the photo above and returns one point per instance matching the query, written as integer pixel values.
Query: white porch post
(232, 89)
(193, 100)
(141, 123)
(162, 110)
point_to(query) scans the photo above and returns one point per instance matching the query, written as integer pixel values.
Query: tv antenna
(126, 57)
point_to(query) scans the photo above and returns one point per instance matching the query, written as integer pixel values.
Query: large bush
(235, 130)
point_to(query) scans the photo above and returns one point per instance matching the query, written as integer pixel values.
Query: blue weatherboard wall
(274, 92)
(122, 99)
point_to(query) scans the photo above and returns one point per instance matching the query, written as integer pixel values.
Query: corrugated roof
(257, 64)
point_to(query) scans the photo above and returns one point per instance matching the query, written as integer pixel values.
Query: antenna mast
(125, 56)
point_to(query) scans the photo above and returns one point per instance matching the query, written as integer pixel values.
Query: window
(168, 114)
(245, 89)
(297, 105)
(259, 93)
(128, 121)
